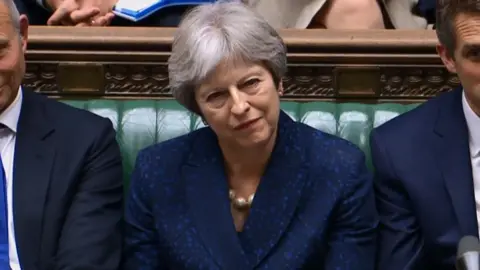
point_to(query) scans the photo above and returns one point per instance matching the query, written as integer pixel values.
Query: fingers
(103, 20)
(82, 24)
(70, 13)
(98, 21)
(62, 13)
(85, 14)
(110, 17)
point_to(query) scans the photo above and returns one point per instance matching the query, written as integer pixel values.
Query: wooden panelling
(367, 66)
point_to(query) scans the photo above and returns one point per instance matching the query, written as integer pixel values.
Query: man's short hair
(447, 12)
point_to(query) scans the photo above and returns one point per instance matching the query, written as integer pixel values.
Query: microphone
(468, 253)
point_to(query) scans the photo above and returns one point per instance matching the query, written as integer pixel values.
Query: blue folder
(139, 14)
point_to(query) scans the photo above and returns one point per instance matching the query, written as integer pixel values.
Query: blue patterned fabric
(314, 207)
(4, 259)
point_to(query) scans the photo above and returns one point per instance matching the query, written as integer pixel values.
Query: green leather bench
(140, 123)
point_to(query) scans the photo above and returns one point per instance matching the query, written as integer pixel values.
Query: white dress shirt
(473, 123)
(7, 150)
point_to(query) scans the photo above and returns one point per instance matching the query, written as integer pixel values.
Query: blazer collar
(10, 116)
(279, 192)
(34, 115)
(33, 161)
(453, 157)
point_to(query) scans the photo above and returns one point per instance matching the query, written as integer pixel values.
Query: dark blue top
(314, 207)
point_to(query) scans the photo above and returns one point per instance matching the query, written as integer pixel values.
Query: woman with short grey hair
(254, 189)
(207, 36)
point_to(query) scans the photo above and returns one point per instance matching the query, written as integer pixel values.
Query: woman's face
(240, 102)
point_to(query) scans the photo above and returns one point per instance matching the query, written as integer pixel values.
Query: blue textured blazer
(314, 207)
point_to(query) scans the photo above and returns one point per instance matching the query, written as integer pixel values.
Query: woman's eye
(251, 82)
(215, 95)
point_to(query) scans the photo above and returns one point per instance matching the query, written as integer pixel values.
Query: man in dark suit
(61, 180)
(427, 161)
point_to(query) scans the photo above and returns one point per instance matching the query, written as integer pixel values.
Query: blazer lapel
(278, 194)
(209, 204)
(34, 154)
(453, 156)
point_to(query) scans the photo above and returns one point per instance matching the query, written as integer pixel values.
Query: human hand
(97, 21)
(81, 12)
(105, 15)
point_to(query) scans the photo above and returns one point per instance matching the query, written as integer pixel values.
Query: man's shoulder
(416, 121)
(65, 116)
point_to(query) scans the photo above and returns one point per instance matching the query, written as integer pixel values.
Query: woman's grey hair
(210, 33)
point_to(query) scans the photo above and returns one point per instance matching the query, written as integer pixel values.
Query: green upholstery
(145, 122)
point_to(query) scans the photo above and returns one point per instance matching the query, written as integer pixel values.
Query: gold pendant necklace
(239, 202)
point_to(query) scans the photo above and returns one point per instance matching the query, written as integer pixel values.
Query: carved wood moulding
(323, 64)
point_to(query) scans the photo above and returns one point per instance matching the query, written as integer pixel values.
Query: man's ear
(23, 21)
(447, 58)
(280, 88)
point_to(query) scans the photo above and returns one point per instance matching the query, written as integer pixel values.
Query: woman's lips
(247, 124)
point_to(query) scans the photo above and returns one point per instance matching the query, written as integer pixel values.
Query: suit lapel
(278, 194)
(34, 155)
(453, 156)
(274, 206)
(207, 197)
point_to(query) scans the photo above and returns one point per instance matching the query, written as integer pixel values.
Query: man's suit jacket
(424, 185)
(67, 188)
(314, 207)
